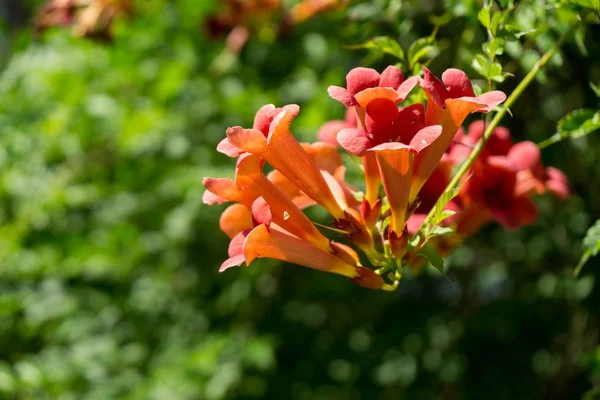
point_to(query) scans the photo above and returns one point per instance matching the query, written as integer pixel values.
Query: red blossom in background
(499, 186)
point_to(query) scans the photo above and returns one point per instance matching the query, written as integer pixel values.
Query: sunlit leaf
(421, 49)
(484, 16)
(383, 44)
(591, 246)
(574, 125)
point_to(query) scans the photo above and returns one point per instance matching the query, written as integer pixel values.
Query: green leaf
(591, 246)
(440, 230)
(494, 47)
(433, 257)
(481, 65)
(484, 16)
(589, 4)
(574, 125)
(439, 213)
(579, 123)
(423, 48)
(414, 241)
(384, 44)
(595, 88)
(441, 20)
(498, 19)
(488, 70)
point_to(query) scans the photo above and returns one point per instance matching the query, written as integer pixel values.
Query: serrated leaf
(434, 258)
(574, 125)
(421, 49)
(384, 44)
(578, 123)
(591, 246)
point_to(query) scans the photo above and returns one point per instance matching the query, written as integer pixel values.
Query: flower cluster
(406, 149)
(87, 17)
(498, 187)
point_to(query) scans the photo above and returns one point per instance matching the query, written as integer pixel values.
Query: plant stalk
(499, 115)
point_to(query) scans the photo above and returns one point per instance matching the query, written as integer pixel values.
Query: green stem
(498, 117)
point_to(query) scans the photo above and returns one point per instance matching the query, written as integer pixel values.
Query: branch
(498, 117)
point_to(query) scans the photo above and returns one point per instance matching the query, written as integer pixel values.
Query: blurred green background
(108, 259)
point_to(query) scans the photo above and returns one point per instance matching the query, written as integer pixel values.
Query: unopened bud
(369, 214)
(398, 244)
(358, 231)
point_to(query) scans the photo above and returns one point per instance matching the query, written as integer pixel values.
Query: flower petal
(234, 261)
(225, 188)
(521, 211)
(354, 141)
(457, 83)
(286, 155)
(342, 95)
(275, 206)
(557, 183)
(263, 118)
(228, 149)
(409, 121)
(325, 155)
(525, 155)
(235, 219)
(372, 178)
(435, 88)
(430, 146)
(366, 96)
(250, 140)
(329, 130)
(264, 243)
(395, 162)
(261, 212)
(360, 78)
(210, 198)
(391, 77)
(491, 100)
(406, 87)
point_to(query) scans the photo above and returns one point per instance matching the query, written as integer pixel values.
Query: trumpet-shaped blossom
(499, 185)
(451, 99)
(409, 150)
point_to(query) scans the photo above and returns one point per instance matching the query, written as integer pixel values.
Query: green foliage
(433, 257)
(591, 246)
(385, 45)
(108, 258)
(421, 52)
(490, 70)
(593, 5)
(574, 125)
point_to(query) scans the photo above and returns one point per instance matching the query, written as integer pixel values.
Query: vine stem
(498, 117)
